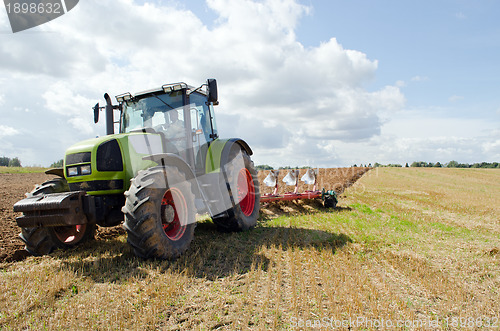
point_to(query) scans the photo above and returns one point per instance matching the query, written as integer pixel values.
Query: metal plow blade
(292, 179)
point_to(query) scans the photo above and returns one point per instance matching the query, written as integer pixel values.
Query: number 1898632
(34, 8)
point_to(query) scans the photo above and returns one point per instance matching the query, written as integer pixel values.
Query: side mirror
(96, 113)
(212, 91)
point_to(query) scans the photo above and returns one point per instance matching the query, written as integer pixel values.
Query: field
(412, 248)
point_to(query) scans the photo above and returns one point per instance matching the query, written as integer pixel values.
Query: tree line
(451, 164)
(415, 164)
(8, 162)
(15, 162)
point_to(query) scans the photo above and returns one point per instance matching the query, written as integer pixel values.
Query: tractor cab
(182, 115)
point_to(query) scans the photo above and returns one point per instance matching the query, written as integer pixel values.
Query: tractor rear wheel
(41, 241)
(160, 214)
(241, 178)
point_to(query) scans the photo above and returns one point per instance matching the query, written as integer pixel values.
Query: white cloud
(419, 136)
(401, 83)
(455, 98)
(393, 149)
(293, 96)
(293, 104)
(63, 101)
(419, 78)
(7, 131)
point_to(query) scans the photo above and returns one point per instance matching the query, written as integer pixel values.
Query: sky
(321, 83)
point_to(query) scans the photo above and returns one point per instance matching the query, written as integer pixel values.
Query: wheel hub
(246, 192)
(174, 214)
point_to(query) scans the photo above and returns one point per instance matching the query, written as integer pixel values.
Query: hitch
(56, 209)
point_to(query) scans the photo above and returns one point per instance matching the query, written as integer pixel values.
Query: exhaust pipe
(110, 128)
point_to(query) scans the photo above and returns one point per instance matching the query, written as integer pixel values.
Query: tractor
(165, 167)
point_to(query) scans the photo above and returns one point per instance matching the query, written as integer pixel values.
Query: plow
(329, 197)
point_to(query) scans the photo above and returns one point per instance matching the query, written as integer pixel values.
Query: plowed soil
(14, 187)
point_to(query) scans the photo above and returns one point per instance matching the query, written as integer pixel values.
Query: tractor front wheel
(160, 214)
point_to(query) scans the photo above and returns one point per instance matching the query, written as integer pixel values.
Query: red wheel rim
(246, 192)
(70, 234)
(174, 214)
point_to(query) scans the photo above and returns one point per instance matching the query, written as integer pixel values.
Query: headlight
(73, 171)
(85, 170)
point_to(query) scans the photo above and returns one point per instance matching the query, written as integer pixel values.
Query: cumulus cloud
(295, 105)
(7, 131)
(430, 139)
(273, 91)
(63, 101)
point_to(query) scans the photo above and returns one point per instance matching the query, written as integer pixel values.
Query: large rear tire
(41, 241)
(241, 179)
(160, 214)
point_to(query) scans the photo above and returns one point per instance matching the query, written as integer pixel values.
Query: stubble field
(409, 248)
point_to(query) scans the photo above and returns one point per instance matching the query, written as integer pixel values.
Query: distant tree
(60, 163)
(369, 165)
(376, 165)
(15, 162)
(422, 164)
(4, 161)
(437, 165)
(406, 165)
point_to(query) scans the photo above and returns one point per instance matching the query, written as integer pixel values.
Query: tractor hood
(104, 164)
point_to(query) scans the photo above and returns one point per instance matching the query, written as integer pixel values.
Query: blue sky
(322, 83)
(452, 45)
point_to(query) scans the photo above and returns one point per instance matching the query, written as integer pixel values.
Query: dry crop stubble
(452, 216)
(389, 251)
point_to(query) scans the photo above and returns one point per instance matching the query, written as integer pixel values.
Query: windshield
(150, 112)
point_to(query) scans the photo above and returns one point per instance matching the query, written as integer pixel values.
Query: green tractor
(166, 165)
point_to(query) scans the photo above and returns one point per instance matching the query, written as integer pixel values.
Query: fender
(176, 161)
(55, 171)
(218, 152)
(243, 145)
